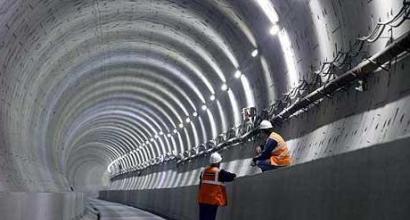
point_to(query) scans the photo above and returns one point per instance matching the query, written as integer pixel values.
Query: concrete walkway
(116, 211)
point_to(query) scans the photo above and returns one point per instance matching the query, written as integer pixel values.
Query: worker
(274, 153)
(212, 192)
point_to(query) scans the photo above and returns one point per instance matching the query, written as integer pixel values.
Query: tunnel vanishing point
(124, 101)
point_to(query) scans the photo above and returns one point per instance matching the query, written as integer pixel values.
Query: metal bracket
(379, 65)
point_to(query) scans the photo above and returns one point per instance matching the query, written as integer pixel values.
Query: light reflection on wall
(204, 134)
(195, 133)
(271, 95)
(212, 122)
(321, 27)
(384, 11)
(289, 56)
(235, 108)
(221, 112)
(188, 139)
(250, 98)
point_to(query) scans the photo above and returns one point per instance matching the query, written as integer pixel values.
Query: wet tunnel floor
(116, 211)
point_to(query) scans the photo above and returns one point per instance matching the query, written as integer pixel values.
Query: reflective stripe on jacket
(211, 190)
(280, 156)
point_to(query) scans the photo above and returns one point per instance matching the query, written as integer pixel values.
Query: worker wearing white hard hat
(274, 153)
(215, 158)
(212, 192)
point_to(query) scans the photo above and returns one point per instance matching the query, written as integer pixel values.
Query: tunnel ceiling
(88, 84)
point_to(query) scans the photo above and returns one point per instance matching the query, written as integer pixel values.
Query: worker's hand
(258, 150)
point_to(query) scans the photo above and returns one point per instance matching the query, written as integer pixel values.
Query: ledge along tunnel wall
(375, 186)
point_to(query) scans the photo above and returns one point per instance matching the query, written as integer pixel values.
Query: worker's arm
(270, 145)
(225, 176)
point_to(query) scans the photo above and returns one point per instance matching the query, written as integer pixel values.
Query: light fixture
(156, 136)
(181, 125)
(204, 108)
(224, 87)
(146, 142)
(175, 131)
(187, 120)
(212, 98)
(161, 133)
(274, 30)
(255, 53)
(169, 135)
(152, 139)
(237, 75)
(195, 114)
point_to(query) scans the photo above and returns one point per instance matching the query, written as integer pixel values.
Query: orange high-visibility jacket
(212, 191)
(280, 155)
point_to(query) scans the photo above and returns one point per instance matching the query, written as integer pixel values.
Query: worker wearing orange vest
(275, 152)
(212, 192)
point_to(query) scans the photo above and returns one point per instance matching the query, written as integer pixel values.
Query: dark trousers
(207, 212)
(265, 165)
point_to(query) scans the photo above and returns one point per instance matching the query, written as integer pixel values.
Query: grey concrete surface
(41, 206)
(115, 211)
(371, 183)
(85, 83)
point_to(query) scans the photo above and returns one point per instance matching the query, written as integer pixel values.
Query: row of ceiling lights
(269, 10)
(238, 74)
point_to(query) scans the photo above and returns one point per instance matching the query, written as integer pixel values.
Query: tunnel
(111, 109)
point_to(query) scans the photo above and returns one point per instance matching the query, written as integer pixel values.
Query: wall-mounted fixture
(238, 74)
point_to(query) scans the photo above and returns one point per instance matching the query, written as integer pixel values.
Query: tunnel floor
(116, 211)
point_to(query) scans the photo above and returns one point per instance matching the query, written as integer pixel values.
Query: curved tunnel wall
(348, 121)
(104, 79)
(89, 84)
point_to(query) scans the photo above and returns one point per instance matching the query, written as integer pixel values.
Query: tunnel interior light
(147, 142)
(274, 30)
(181, 125)
(152, 139)
(195, 114)
(237, 75)
(212, 98)
(188, 120)
(255, 53)
(161, 133)
(156, 136)
(169, 135)
(175, 131)
(224, 87)
(269, 10)
(204, 108)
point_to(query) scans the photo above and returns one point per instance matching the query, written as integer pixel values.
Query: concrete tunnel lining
(88, 85)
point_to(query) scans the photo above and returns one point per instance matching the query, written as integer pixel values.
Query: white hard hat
(215, 158)
(265, 124)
